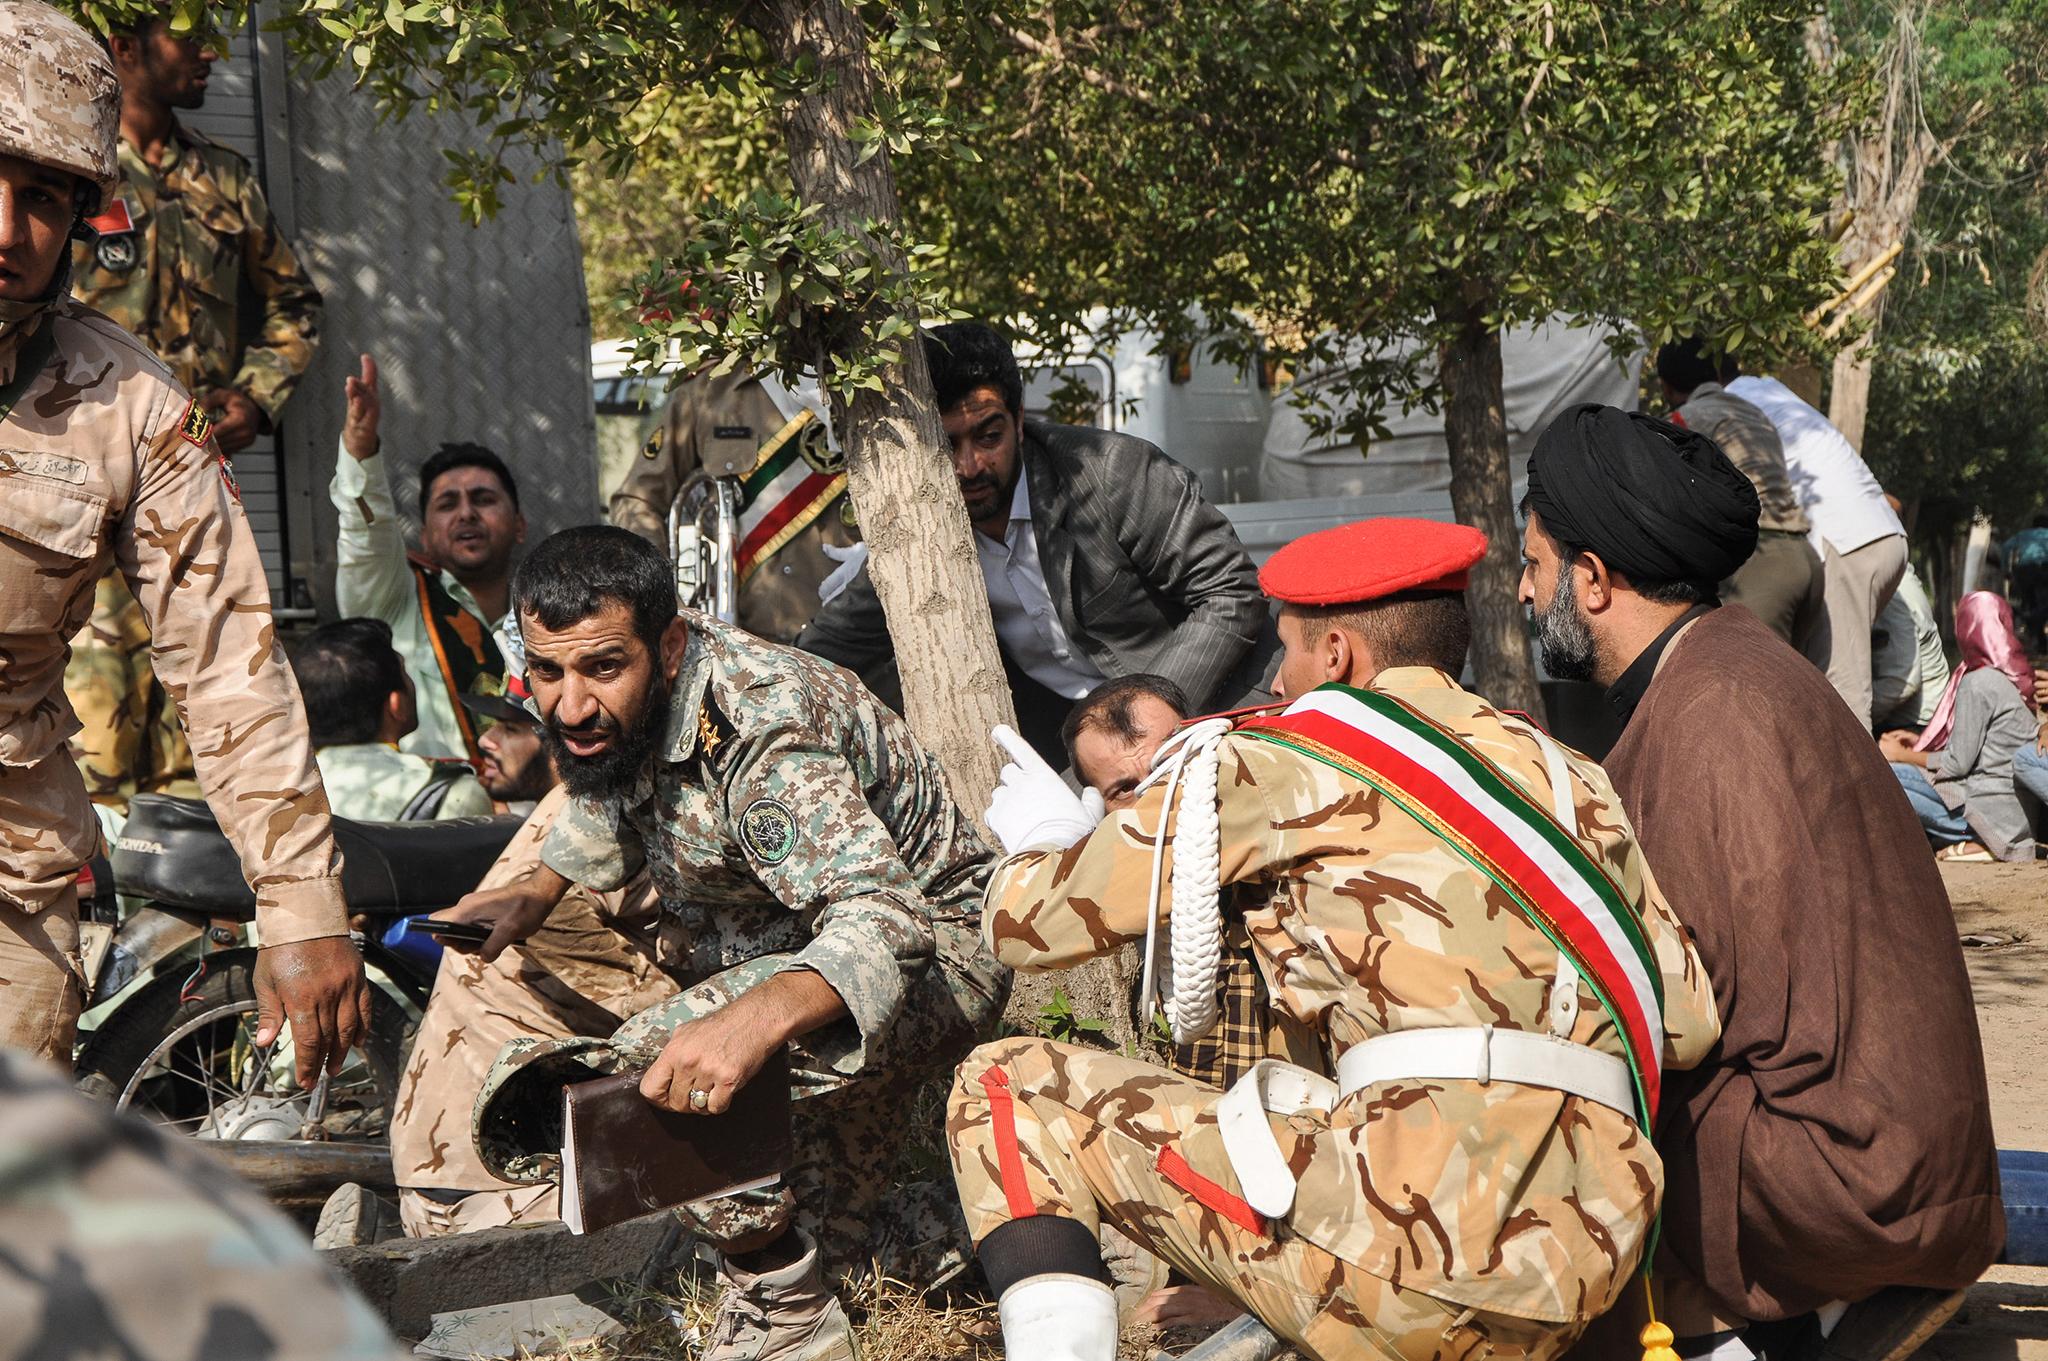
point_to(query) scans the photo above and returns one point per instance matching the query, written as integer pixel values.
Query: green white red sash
(1511, 838)
(781, 496)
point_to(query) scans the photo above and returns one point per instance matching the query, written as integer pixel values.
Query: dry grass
(892, 1322)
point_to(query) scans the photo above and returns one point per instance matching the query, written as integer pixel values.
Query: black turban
(1658, 502)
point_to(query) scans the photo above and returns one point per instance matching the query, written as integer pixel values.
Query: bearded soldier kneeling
(1453, 900)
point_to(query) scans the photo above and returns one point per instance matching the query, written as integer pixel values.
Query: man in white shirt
(359, 704)
(445, 603)
(1854, 530)
(1909, 668)
(1100, 555)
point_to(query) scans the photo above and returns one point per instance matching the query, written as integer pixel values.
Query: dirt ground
(2002, 915)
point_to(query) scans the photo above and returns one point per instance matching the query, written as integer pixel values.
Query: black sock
(1042, 1245)
(784, 1251)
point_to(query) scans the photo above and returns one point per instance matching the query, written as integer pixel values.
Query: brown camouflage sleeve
(189, 557)
(642, 499)
(1692, 1020)
(282, 349)
(1056, 909)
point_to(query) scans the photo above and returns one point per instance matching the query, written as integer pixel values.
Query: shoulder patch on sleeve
(195, 425)
(767, 830)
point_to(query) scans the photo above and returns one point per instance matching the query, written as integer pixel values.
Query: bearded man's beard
(1563, 635)
(612, 772)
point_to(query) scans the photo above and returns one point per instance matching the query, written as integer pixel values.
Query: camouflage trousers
(40, 973)
(116, 1241)
(1040, 1128)
(596, 962)
(869, 1185)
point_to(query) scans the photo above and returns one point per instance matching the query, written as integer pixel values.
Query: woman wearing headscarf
(1958, 772)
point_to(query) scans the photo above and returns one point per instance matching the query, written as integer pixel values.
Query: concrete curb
(408, 1280)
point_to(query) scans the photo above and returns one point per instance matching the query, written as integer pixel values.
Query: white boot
(1059, 1318)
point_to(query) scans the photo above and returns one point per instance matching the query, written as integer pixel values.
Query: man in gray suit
(1100, 556)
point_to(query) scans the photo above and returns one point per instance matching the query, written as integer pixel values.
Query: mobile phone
(468, 933)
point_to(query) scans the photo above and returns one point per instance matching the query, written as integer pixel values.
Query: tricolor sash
(789, 487)
(1508, 836)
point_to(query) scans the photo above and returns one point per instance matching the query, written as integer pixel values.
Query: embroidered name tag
(196, 425)
(56, 467)
(732, 432)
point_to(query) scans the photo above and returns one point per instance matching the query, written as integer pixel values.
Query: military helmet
(60, 104)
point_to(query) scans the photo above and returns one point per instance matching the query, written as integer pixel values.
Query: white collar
(1020, 504)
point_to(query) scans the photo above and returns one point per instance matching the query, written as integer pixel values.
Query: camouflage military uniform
(128, 741)
(600, 958)
(181, 248)
(374, 782)
(719, 423)
(118, 1241)
(790, 822)
(107, 461)
(1440, 1217)
(177, 246)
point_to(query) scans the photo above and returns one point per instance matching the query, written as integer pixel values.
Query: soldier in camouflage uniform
(106, 461)
(128, 741)
(1482, 1192)
(116, 1240)
(716, 425)
(186, 249)
(599, 959)
(827, 889)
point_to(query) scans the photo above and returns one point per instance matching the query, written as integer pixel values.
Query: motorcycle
(171, 998)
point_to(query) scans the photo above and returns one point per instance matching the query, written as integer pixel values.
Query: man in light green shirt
(1909, 669)
(360, 702)
(443, 604)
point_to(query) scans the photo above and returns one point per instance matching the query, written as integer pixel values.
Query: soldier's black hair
(1108, 707)
(456, 455)
(1410, 628)
(1684, 365)
(574, 573)
(965, 355)
(347, 670)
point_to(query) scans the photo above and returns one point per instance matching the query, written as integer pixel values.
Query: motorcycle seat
(173, 853)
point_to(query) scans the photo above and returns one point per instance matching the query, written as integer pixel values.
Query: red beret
(1356, 563)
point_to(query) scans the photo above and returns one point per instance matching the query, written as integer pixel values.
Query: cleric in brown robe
(1837, 1144)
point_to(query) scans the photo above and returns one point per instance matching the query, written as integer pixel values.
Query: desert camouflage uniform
(198, 228)
(105, 460)
(116, 1241)
(374, 782)
(128, 741)
(717, 423)
(201, 231)
(791, 822)
(600, 958)
(1434, 1218)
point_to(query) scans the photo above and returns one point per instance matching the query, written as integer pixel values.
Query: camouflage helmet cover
(60, 104)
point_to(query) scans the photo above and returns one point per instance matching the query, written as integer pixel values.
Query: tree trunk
(911, 514)
(1483, 496)
(1849, 390)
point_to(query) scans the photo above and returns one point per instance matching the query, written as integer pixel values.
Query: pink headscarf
(1986, 637)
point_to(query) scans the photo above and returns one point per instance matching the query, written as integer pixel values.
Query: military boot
(784, 1315)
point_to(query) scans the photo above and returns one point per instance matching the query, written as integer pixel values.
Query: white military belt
(1470, 1053)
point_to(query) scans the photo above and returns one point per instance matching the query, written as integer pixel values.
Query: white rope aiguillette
(1185, 972)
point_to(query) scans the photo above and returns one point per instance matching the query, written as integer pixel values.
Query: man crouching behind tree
(1478, 1180)
(828, 886)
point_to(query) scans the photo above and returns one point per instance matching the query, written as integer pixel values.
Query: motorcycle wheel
(182, 1054)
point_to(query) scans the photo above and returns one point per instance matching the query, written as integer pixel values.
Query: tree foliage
(1961, 373)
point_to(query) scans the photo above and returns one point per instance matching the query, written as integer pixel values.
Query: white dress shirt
(1839, 492)
(1025, 620)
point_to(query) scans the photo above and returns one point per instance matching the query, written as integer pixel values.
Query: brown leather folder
(624, 1157)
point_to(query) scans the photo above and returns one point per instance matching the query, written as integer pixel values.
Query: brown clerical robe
(1838, 1139)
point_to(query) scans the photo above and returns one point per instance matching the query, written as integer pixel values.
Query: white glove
(1033, 808)
(850, 559)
